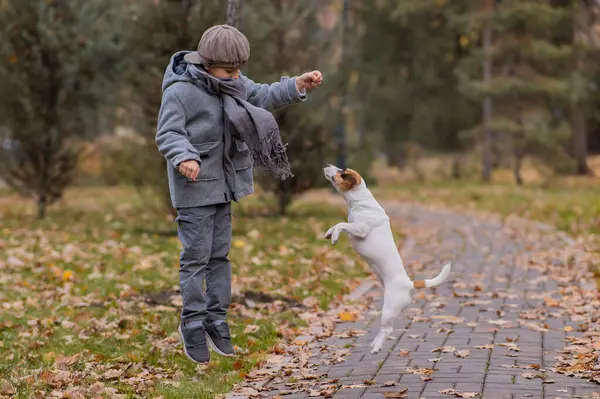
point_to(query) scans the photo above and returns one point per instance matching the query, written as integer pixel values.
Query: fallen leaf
(444, 349)
(399, 394)
(499, 322)
(112, 374)
(67, 275)
(251, 328)
(552, 303)
(348, 316)
(311, 302)
(369, 382)
(543, 377)
(463, 353)
(511, 346)
(488, 346)
(238, 244)
(389, 384)
(459, 394)
(353, 386)
(48, 357)
(449, 319)
(418, 371)
(515, 339)
(7, 388)
(404, 352)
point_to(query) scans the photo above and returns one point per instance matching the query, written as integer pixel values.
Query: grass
(574, 208)
(97, 281)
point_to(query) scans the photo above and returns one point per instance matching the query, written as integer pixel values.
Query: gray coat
(191, 127)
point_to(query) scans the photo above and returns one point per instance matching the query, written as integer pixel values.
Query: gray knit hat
(221, 46)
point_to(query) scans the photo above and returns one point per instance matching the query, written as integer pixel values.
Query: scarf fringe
(273, 158)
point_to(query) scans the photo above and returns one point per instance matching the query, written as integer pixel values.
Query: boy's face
(224, 73)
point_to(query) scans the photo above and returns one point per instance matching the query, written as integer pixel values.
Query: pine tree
(409, 50)
(59, 61)
(532, 82)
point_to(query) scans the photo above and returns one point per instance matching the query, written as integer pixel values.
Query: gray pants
(205, 233)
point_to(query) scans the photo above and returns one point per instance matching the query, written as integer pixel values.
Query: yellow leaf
(347, 316)
(568, 329)
(67, 275)
(48, 357)
(464, 41)
(550, 302)
(239, 244)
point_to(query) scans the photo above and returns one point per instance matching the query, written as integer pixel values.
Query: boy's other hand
(189, 169)
(309, 80)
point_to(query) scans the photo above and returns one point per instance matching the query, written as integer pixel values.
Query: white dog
(371, 236)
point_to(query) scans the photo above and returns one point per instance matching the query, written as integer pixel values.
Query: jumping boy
(213, 126)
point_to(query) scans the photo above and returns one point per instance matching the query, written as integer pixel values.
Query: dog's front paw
(329, 232)
(335, 236)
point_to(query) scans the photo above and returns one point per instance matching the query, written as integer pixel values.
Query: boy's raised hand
(189, 169)
(309, 80)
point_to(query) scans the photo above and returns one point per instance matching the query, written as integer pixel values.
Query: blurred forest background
(422, 90)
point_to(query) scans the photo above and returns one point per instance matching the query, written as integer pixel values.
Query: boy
(212, 127)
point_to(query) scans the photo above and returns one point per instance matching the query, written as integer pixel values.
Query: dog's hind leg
(388, 315)
(395, 301)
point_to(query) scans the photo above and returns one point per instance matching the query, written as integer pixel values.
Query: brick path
(483, 254)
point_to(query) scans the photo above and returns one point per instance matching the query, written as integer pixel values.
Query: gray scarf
(256, 126)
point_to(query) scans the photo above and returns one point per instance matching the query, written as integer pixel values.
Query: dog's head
(345, 180)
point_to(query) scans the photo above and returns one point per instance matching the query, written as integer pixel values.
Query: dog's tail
(434, 281)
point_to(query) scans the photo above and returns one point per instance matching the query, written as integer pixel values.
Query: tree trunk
(284, 199)
(41, 206)
(456, 167)
(233, 12)
(517, 169)
(486, 173)
(581, 24)
(580, 141)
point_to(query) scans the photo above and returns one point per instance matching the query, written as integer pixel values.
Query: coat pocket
(211, 157)
(242, 159)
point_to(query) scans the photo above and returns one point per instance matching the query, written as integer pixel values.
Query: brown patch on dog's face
(347, 179)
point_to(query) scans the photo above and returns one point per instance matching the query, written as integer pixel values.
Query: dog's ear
(350, 179)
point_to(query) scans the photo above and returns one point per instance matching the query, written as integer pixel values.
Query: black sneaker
(194, 343)
(218, 337)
